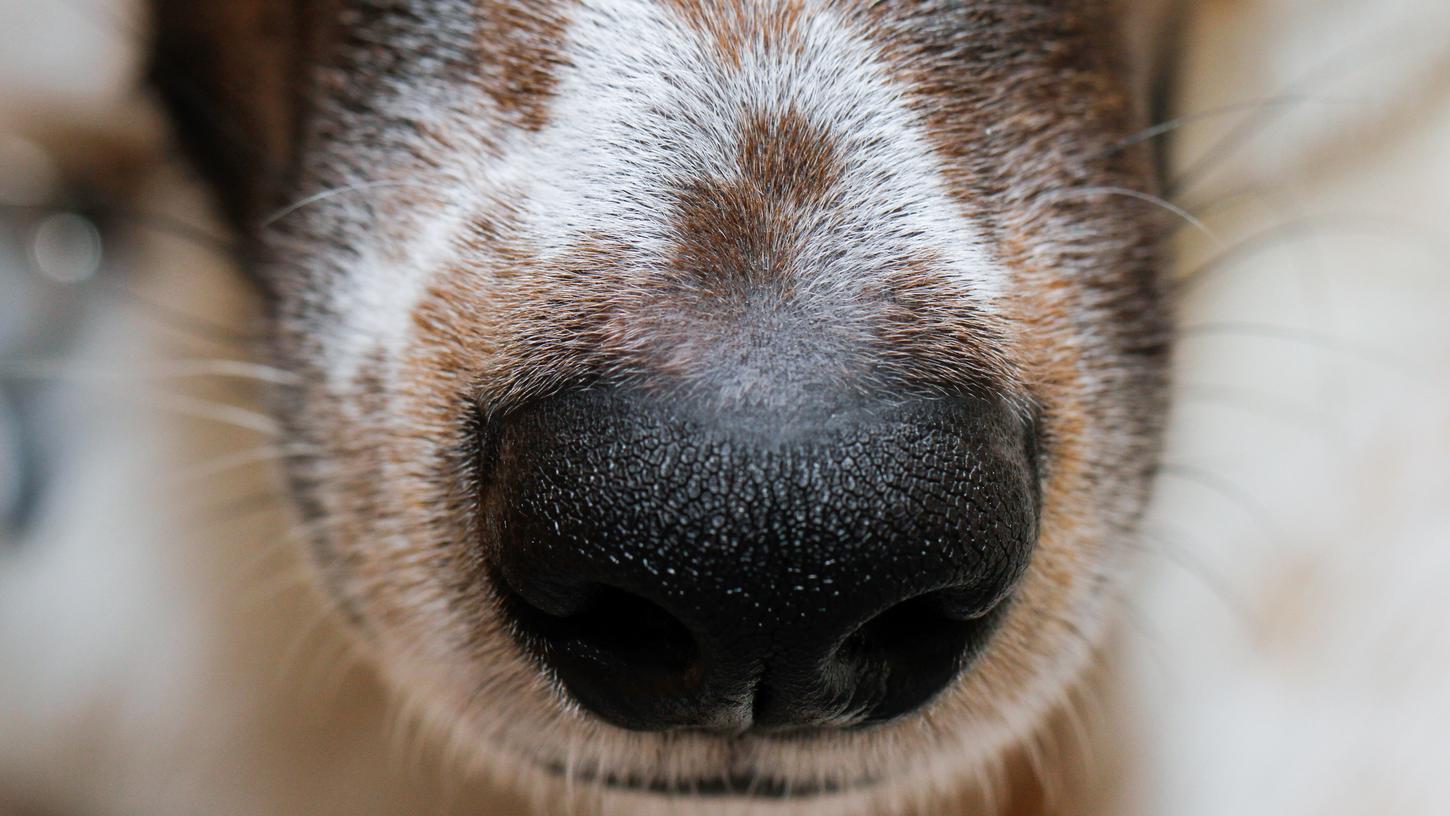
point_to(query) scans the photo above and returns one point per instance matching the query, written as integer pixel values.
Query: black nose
(679, 566)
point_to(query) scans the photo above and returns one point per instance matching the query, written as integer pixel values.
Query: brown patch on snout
(739, 244)
(735, 26)
(786, 158)
(737, 240)
(739, 233)
(733, 286)
(520, 48)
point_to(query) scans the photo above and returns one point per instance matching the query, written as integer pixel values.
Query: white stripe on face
(644, 104)
(649, 103)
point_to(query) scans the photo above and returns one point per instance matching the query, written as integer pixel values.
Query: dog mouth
(724, 786)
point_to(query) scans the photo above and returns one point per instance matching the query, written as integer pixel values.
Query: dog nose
(682, 566)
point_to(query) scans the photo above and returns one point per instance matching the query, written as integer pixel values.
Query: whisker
(351, 660)
(1291, 334)
(1216, 483)
(1337, 225)
(179, 320)
(219, 245)
(1072, 711)
(1157, 201)
(234, 461)
(199, 408)
(1309, 259)
(1225, 201)
(317, 198)
(260, 577)
(185, 369)
(1153, 643)
(143, 219)
(1326, 72)
(1178, 122)
(168, 316)
(1263, 403)
(571, 771)
(313, 629)
(300, 574)
(1038, 746)
(987, 782)
(240, 508)
(193, 368)
(1183, 558)
(222, 413)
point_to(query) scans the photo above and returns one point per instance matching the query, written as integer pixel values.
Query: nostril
(597, 635)
(906, 655)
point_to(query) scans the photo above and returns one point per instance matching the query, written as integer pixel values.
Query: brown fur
(519, 48)
(737, 25)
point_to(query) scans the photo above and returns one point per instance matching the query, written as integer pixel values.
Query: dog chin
(605, 792)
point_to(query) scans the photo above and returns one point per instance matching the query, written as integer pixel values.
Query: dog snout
(682, 566)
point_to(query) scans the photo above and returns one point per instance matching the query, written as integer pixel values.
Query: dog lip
(725, 786)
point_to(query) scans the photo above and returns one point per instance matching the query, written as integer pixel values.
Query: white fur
(622, 135)
(644, 105)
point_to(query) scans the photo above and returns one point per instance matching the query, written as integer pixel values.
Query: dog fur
(371, 394)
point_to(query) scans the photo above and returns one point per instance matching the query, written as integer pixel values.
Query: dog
(730, 407)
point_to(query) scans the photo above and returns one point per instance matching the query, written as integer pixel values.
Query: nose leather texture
(680, 566)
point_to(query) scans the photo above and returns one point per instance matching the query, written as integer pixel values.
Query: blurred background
(1292, 650)
(1288, 651)
(1292, 653)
